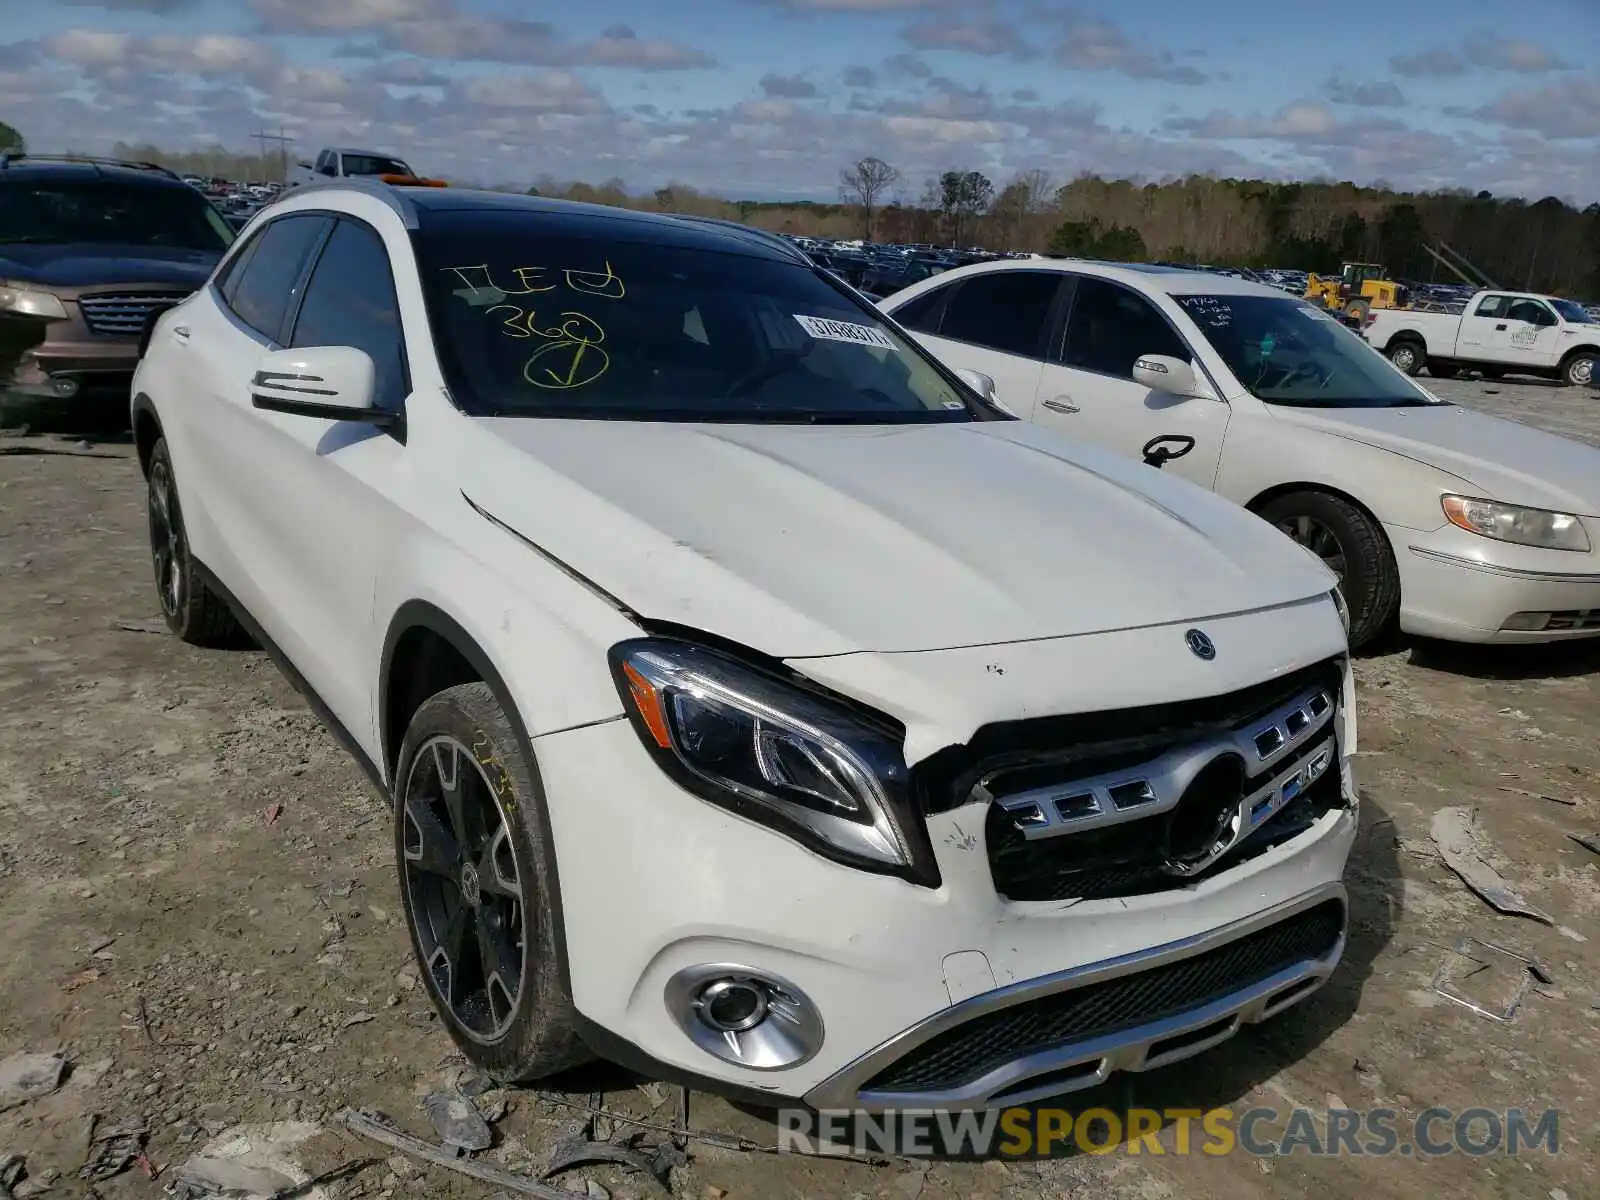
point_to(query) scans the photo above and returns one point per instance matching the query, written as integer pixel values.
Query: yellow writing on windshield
(480, 278)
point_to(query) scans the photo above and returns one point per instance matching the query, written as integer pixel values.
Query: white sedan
(1455, 524)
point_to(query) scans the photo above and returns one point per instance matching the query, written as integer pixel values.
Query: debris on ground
(590, 1145)
(1485, 964)
(1456, 835)
(141, 626)
(380, 1129)
(1570, 802)
(1590, 841)
(457, 1121)
(258, 1162)
(13, 1170)
(113, 1149)
(25, 1077)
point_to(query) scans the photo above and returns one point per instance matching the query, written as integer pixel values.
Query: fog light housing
(745, 1017)
(1526, 622)
(63, 385)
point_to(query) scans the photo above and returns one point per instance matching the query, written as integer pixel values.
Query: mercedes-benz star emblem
(1200, 645)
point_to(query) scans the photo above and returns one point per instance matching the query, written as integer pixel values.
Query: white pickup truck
(1498, 333)
(335, 163)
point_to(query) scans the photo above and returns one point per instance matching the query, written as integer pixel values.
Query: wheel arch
(426, 650)
(1586, 348)
(1401, 336)
(1257, 503)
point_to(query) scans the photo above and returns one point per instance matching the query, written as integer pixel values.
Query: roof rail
(365, 184)
(12, 156)
(750, 233)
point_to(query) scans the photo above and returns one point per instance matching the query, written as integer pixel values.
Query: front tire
(1578, 371)
(1355, 548)
(192, 610)
(480, 904)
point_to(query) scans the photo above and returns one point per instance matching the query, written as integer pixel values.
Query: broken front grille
(1125, 802)
(124, 314)
(963, 1055)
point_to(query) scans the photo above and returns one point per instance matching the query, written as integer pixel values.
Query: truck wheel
(1578, 371)
(480, 903)
(192, 610)
(1408, 356)
(1355, 548)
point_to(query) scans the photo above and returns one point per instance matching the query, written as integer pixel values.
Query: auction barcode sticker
(844, 331)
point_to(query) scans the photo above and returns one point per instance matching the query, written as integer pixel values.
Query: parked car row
(1449, 522)
(760, 703)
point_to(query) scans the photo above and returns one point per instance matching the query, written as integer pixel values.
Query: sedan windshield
(1570, 311)
(106, 213)
(1288, 352)
(573, 326)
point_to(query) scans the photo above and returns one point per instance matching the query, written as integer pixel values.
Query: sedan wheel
(1354, 547)
(167, 552)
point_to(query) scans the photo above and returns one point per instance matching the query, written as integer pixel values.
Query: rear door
(1088, 390)
(1482, 327)
(996, 322)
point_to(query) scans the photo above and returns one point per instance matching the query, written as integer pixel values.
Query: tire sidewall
(161, 463)
(1362, 583)
(1415, 360)
(470, 714)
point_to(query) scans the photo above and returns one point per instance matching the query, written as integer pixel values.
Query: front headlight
(26, 302)
(774, 752)
(1514, 523)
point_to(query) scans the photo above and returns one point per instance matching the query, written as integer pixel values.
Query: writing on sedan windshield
(571, 355)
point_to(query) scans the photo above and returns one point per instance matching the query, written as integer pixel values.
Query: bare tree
(864, 184)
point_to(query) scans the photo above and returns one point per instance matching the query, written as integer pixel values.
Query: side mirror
(1163, 373)
(978, 382)
(329, 383)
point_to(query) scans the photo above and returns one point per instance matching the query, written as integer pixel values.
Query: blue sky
(773, 97)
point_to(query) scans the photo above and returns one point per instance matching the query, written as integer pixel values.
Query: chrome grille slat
(124, 314)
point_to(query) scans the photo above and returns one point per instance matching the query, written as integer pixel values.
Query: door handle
(1062, 404)
(181, 331)
(1500, 326)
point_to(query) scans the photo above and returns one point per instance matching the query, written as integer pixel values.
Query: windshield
(1288, 352)
(535, 326)
(372, 164)
(106, 213)
(1576, 313)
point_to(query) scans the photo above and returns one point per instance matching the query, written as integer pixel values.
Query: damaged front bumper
(916, 996)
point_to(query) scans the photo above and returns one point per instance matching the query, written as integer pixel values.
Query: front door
(1527, 336)
(1089, 391)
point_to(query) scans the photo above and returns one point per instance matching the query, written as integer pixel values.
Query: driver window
(1530, 311)
(1112, 327)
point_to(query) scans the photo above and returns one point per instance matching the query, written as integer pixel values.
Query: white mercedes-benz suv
(758, 704)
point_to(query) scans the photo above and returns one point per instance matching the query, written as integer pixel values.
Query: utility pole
(262, 137)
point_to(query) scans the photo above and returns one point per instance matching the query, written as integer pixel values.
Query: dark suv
(91, 250)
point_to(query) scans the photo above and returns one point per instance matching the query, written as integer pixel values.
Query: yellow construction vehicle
(1360, 288)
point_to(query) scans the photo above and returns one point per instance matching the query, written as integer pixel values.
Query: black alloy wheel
(1353, 546)
(168, 554)
(464, 887)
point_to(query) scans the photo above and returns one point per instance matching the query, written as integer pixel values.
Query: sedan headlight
(26, 302)
(777, 753)
(1514, 523)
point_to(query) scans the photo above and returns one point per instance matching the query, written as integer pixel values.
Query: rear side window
(1003, 310)
(264, 289)
(1493, 306)
(350, 301)
(923, 313)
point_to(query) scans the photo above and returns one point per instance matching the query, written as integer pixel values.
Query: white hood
(1504, 460)
(804, 541)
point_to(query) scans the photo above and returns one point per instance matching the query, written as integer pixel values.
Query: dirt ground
(198, 907)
